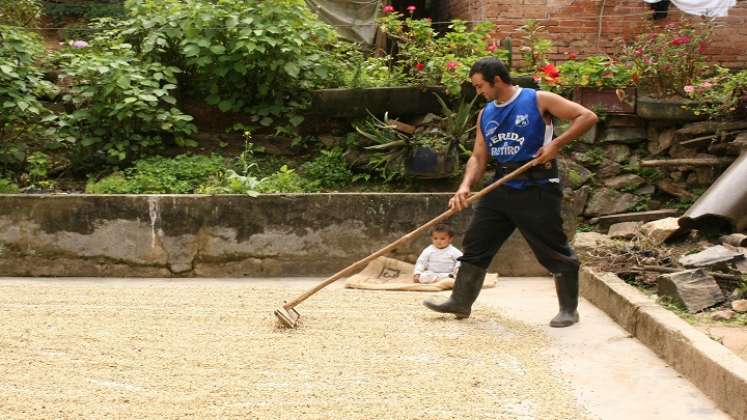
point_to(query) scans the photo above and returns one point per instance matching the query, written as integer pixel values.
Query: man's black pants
(535, 211)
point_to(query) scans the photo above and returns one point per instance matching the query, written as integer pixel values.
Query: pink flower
(689, 89)
(639, 51)
(420, 67)
(707, 85)
(411, 8)
(388, 9)
(452, 65)
(536, 79)
(79, 44)
(492, 47)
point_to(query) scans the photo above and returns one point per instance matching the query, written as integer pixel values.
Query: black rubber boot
(566, 286)
(467, 286)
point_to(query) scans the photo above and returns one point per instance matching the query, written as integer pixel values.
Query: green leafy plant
(59, 12)
(23, 123)
(262, 61)
(38, 167)
(23, 13)
(8, 187)
(285, 180)
(430, 58)
(329, 169)
(665, 61)
(122, 106)
(182, 174)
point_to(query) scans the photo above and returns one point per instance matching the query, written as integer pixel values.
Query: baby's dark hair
(443, 227)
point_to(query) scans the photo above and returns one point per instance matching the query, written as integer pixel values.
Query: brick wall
(573, 25)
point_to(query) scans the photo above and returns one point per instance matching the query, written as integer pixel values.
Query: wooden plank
(641, 216)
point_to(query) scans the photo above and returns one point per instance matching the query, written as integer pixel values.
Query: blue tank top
(514, 131)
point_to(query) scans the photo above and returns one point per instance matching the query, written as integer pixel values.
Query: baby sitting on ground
(440, 259)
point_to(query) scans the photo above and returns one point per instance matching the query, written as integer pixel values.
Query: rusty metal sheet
(724, 203)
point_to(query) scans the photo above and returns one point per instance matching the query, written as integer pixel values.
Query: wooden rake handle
(356, 266)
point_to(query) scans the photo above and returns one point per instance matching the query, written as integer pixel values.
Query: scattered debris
(624, 230)
(695, 289)
(714, 255)
(660, 230)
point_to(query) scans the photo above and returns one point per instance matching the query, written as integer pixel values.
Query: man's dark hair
(443, 227)
(490, 67)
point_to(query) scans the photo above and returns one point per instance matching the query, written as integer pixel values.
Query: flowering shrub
(720, 96)
(429, 58)
(595, 71)
(669, 59)
(535, 48)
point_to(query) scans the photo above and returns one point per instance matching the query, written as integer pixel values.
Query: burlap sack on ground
(386, 273)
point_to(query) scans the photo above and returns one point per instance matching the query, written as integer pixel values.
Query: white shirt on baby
(435, 260)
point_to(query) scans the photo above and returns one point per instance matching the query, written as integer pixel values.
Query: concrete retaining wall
(713, 368)
(220, 236)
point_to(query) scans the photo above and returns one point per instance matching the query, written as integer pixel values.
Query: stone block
(586, 241)
(739, 305)
(608, 201)
(617, 152)
(628, 135)
(659, 230)
(627, 182)
(624, 230)
(695, 289)
(718, 254)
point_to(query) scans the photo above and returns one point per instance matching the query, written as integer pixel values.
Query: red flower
(681, 40)
(550, 70)
(388, 8)
(420, 67)
(411, 8)
(492, 47)
(451, 65)
(639, 52)
(702, 46)
(573, 56)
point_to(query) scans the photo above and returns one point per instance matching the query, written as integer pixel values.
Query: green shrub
(182, 174)
(7, 186)
(285, 180)
(23, 119)
(87, 10)
(262, 63)
(19, 12)
(329, 169)
(123, 106)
